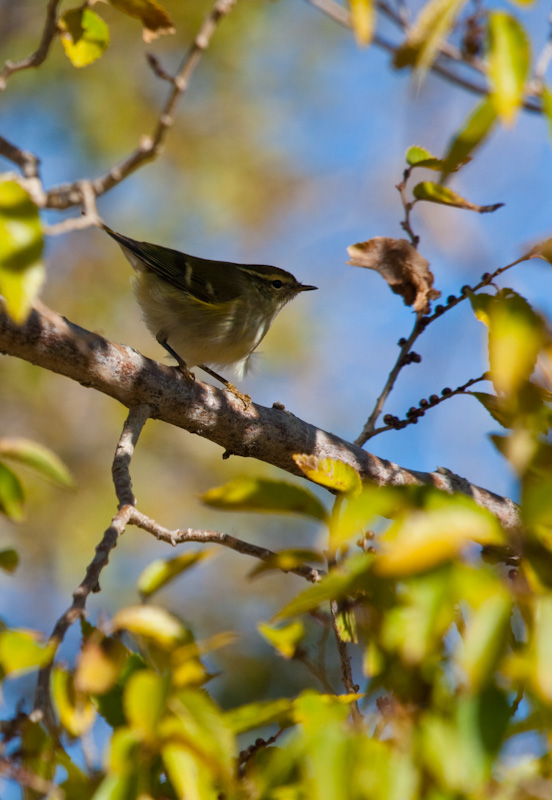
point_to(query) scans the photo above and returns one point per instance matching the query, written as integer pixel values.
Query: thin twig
(408, 205)
(91, 583)
(175, 537)
(67, 195)
(368, 430)
(29, 780)
(413, 414)
(36, 59)
(340, 15)
(345, 661)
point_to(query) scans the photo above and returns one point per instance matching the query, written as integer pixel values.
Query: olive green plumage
(208, 312)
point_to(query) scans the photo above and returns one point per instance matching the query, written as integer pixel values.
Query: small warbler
(206, 313)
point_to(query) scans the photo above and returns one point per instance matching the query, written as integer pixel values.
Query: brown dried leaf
(400, 264)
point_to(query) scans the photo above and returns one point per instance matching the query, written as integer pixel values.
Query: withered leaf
(400, 264)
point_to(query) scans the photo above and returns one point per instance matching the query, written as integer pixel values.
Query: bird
(206, 313)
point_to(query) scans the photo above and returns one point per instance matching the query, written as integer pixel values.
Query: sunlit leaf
(363, 18)
(285, 639)
(541, 250)
(160, 572)
(265, 495)
(39, 458)
(342, 580)
(21, 243)
(76, 712)
(432, 25)
(152, 15)
(155, 624)
(11, 494)
(437, 193)
(144, 702)
(542, 648)
(84, 36)
(471, 135)
(329, 472)
(546, 97)
(420, 157)
(9, 560)
(23, 650)
(257, 715)
(485, 639)
(516, 335)
(429, 537)
(99, 664)
(481, 304)
(508, 64)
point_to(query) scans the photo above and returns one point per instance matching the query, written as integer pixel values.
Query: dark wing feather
(208, 281)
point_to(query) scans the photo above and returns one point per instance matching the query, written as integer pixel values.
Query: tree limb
(272, 435)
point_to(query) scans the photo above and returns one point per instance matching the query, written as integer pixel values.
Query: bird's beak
(305, 288)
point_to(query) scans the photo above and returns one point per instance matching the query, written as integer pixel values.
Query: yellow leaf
(84, 36)
(329, 472)
(508, 64)
(432, 25)
(363, 17)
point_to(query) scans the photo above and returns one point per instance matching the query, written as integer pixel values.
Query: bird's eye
(277, 283)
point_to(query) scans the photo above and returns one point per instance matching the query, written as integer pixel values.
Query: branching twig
(67, 195)
(405, 345)
(175, 537)
(36, 59)
(133, 425)
(408, 205)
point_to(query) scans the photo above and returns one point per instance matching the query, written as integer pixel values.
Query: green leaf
(485, 639)
(286, 639)
(76, 712)
(11, 494)
(23, 650)
(144, 702)
(546, 98)
(38, 458)
(153, 623)
(432, 25)
(9, 560)
(338, 583)
(152, 15)
(516, 335)
(84, 36)
(363, 18)
(163, 570)
(471, 135)
(265, 495)
(21, 243)
(257, 715)
(437, 193)
(542, 648)
(508, 64)
(496, 407)
(481, 305)
(329, 472)
(420, 157)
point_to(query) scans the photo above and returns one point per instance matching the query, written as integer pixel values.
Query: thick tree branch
(272, 435)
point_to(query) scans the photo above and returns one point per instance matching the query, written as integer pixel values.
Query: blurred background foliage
(285, 150)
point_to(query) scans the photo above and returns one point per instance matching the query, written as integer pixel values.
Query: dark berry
(412, 412)
(439, 309)
(446, 391)
(388, 419)
(465, 289)
(423, 403)
(486, 276)
(402, 341)
(433, 399)
(416, 358)
(450, 299)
